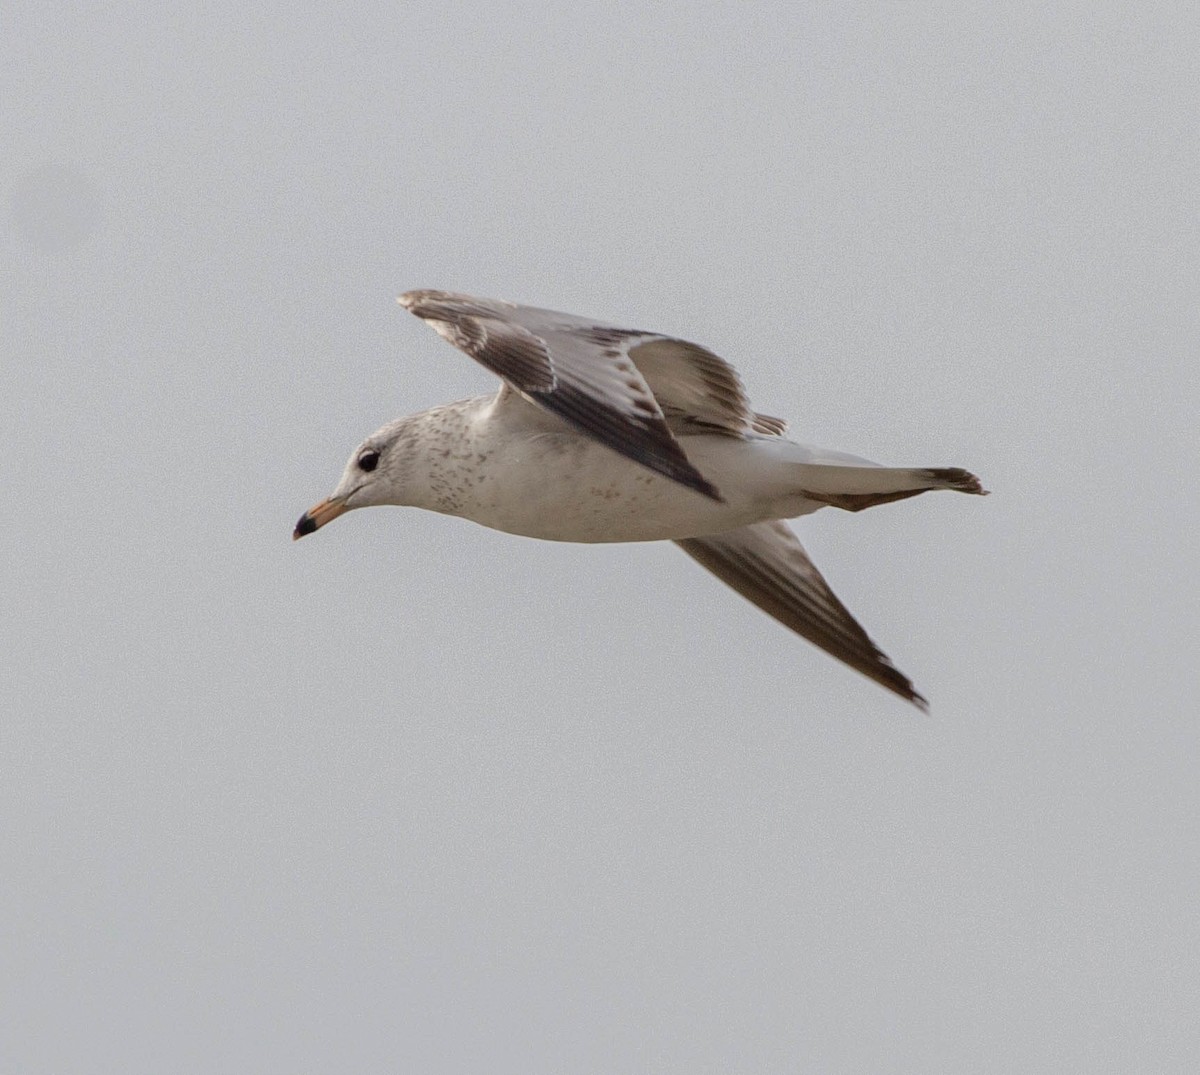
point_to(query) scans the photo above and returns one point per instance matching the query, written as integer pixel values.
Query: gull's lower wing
(766, 564)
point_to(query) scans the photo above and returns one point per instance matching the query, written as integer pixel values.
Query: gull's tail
(853, 488)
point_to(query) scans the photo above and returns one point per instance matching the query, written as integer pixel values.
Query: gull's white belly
(563, 486)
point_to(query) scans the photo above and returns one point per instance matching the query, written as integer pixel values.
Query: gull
(602, 434)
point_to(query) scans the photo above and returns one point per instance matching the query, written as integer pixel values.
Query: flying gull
(601, 433)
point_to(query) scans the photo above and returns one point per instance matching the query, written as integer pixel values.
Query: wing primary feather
(639, 441)
(582, 375)
(768, 566)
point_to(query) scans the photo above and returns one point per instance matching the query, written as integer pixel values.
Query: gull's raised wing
(768, 566)
(630, 390)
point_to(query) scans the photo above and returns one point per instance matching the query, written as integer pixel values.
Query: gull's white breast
(513, 470)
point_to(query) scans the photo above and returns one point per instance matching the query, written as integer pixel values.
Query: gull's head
(374, 474)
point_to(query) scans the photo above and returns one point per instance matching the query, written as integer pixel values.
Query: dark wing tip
(642, 437)
(430, 304)
(411, 300)
(417, 295)
(767, 565)
(919, 700)
(888, 676)
(695, 480)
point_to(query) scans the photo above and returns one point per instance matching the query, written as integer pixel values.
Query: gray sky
(415, 796)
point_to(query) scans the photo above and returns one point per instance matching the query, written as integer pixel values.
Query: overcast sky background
(416, 796)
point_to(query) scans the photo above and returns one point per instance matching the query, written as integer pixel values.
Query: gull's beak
(316, 517)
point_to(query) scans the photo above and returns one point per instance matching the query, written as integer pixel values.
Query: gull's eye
(368, 461)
